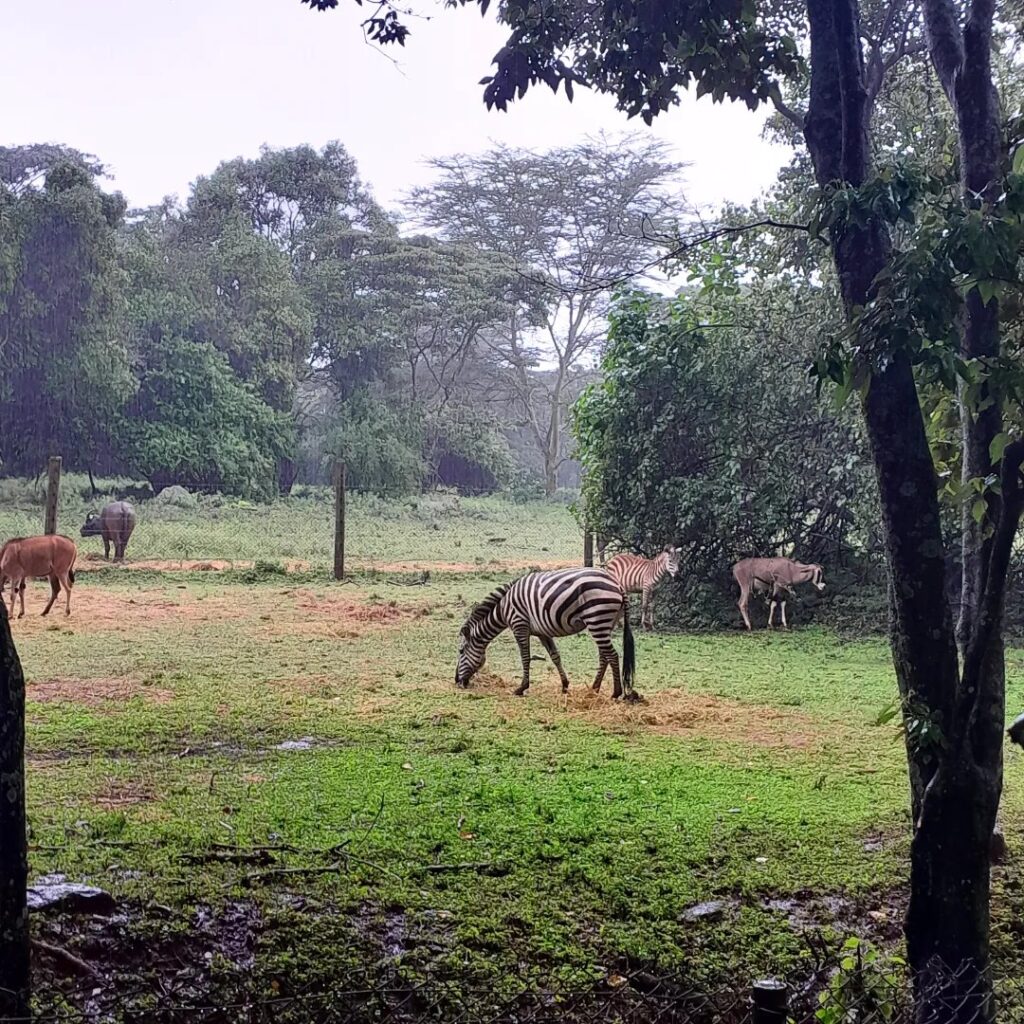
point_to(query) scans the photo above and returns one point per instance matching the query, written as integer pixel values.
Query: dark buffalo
(114, 524)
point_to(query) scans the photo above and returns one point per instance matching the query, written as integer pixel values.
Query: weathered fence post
(339, 520)
(14, 941)
(588, 546)
(52, 493)
(770, 1002)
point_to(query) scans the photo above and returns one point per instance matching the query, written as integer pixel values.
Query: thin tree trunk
(551, 455)
(14, 940)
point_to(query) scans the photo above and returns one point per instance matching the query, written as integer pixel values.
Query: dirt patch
(492, 564)
(307, 613)
(94, 561)
(878, 914)
(673, 712)
(144, 955)
(287, 612)
(316, 685)
(94, 693)
(116, 794)
(116, 611)
(370, 707)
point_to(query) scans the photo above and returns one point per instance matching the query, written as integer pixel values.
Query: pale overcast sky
(163, 90)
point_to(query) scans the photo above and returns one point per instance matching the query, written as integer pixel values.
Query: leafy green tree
(703, 431)
(231, 291)
(66, 368)
(381, 447)
(194, 423)
(25, 167)
(311, 207)
(288, 197)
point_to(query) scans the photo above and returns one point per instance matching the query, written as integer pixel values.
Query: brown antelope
(26, 557)
(778, 575)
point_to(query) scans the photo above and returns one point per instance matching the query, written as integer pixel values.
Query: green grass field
(405, 829)
(437, 529)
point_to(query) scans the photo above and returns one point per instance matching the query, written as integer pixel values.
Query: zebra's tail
(628, 650)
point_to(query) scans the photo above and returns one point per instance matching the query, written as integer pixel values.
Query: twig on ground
(229, 856)
(482, 866)
(421, 582)
(260, 876)
(328, 869)
(61, 955)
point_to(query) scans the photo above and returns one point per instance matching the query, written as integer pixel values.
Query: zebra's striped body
(548, 605)
(636, 574)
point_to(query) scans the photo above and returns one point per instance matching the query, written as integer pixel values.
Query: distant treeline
(279, 319)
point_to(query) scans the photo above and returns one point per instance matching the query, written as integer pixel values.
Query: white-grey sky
(163, 90)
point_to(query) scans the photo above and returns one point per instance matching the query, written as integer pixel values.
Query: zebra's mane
(486, 606)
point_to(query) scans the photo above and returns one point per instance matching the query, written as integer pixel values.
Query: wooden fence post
(588, 547)
(52, 493)
(339, 520)
(770, 1001)
(14, 941)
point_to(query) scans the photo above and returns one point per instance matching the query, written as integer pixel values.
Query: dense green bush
(703, 433)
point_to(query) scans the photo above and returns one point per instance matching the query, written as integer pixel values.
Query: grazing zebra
(634, 574)
(547, 605)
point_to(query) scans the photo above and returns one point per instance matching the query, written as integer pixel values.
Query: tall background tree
(66, 366)
(568, 225)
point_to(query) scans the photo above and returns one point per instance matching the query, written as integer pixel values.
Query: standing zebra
(634, 574)
(546, 605)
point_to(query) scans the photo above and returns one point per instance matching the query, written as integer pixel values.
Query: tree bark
(963, 64)
(14, 939)
(287, 471)
(954, 765)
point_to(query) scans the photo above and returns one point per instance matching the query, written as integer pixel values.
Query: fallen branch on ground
(484, 867)
(60, 954)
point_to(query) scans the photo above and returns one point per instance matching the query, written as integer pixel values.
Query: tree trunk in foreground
(955, 763)
(14, 941)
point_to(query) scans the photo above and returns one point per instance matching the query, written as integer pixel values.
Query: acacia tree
(901, 306)
(568, 224)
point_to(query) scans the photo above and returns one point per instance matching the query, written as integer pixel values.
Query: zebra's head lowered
(673, 559)
(482, 626)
